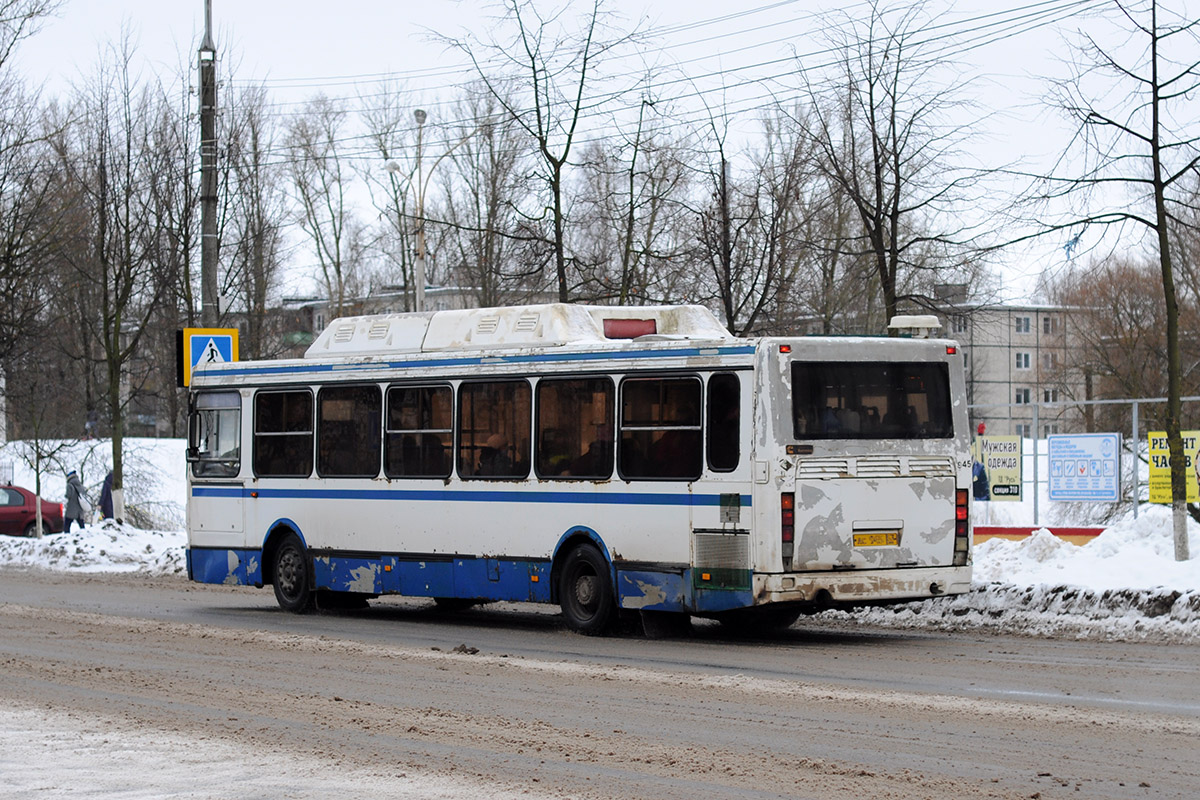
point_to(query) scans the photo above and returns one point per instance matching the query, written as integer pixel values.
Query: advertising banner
(1001, 458)
(1160, 466)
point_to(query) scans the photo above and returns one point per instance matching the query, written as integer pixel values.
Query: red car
(18, 514)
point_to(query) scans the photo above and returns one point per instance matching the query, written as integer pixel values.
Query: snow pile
(104, 547)
(1125, 584)
(1131, 553)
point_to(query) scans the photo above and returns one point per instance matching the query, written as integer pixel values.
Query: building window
(1050, 395)
(1050, 361)
(1023, 360)
(575, 428)
(959, 324)
(1023, 324)
(1023, 430)
(1051, 430)
(1049, 324)
(493, 429)
(419, 422)
(660, 428)
(283, 434)
(1022, 397)
(348, 421)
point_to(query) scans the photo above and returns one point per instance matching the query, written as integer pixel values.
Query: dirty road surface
(402, 700)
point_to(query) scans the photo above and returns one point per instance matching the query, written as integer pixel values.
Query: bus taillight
(962, 528)
(787, 524)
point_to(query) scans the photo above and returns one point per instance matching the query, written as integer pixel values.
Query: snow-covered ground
(1125, 584)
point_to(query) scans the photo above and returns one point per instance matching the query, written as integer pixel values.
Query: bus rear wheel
(585, 592)
(292, 576)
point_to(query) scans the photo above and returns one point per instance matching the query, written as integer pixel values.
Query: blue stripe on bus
(483, 496)
(615, 355)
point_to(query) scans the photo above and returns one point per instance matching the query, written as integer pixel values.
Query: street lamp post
(420, 182)
(420, 265)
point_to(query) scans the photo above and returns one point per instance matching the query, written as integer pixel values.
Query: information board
(1085, 467)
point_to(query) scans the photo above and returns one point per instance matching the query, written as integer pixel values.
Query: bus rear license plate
(877, 539)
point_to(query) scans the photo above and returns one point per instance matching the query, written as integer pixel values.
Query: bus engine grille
(722, 550)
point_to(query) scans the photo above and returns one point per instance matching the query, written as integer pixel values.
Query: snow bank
(103, 547)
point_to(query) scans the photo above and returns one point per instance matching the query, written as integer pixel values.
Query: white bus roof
(547, 325)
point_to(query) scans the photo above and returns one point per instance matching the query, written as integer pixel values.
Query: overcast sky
(301, 47)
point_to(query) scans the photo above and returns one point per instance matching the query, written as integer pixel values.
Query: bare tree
(750, 228)
(322, 180)
(558, 66)
(1139, 151)
(489, 246)
(879, 124)
(110, 156)
(631, 232)
(253, 241)
(391, 130)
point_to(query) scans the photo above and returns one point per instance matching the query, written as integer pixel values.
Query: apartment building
(1018, 356)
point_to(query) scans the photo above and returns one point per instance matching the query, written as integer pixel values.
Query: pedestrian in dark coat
(73, 511)
(106, 504)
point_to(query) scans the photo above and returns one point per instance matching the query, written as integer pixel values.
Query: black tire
(585, 592)
(293, 576)
(31, 530)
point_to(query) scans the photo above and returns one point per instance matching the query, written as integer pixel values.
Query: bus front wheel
(292, 580)
(585, 592)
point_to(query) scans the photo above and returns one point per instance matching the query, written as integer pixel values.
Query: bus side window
(724, 422)
(575, 428)
(348, 419)
(283, 434)
(494, 429)
(660, 436)
(419, 429)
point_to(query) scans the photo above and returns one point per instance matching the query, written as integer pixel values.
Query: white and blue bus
(608, 459)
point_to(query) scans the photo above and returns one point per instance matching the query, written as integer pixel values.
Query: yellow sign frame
(195, 342)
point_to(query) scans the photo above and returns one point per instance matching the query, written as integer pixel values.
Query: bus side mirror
(192, 454)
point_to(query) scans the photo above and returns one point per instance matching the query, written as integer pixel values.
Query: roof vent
(527, 323)
(379, 330)
(915, 326)
(488, 325)
(344, 333)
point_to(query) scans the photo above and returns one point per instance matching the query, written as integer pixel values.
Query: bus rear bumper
(861, 586)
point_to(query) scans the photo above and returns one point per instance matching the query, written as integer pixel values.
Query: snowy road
(217, 694)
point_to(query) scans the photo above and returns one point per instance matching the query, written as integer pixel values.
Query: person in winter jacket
(106, 503)
(979, 482)
(75, 499)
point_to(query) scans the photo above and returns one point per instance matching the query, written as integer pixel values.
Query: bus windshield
(871, 400)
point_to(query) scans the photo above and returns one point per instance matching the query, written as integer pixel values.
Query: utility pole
(207, 61)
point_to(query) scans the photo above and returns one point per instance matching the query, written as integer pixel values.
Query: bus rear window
(871, 400)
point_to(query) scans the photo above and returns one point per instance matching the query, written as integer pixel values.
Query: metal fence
(1133, 441)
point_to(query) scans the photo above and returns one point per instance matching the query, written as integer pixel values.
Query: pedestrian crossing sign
(201, 347)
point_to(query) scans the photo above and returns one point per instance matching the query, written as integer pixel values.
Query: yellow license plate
(877, 539)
